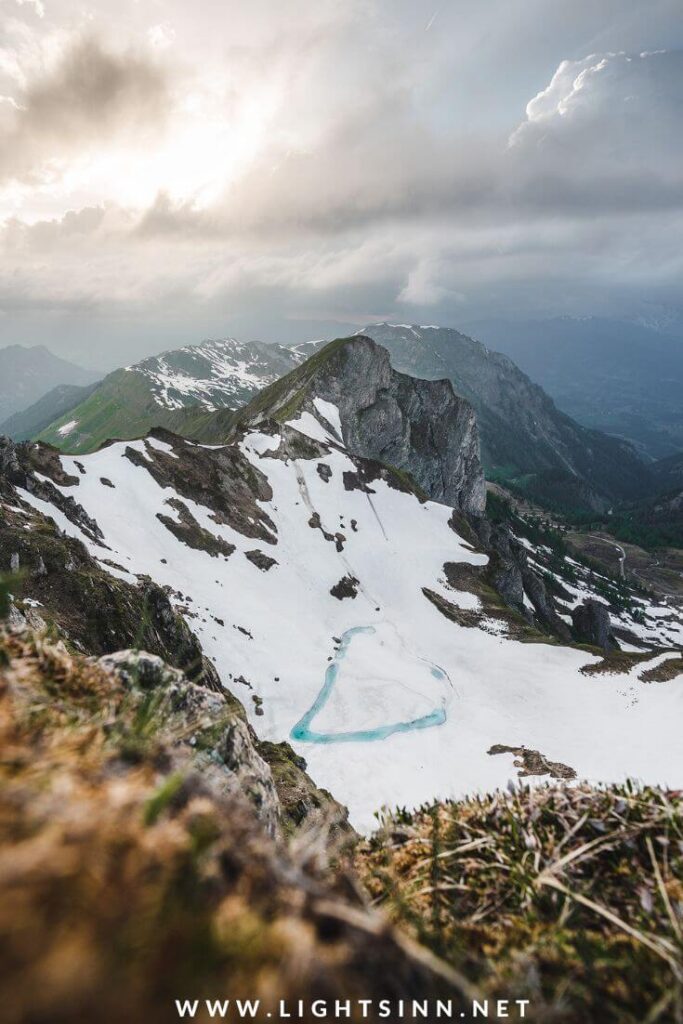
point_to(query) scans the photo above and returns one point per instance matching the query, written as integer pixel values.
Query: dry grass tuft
(571, 897)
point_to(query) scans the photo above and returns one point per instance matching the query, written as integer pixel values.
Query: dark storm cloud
(89, 96)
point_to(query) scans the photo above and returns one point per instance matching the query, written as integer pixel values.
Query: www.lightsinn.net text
(353, 1009)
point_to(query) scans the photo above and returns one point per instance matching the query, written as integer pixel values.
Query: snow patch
(330, 413)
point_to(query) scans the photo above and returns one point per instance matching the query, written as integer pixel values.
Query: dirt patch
(221, 479)
(533, 762)
(616, 663)
(356, 482)
(46, 460)
(324, 471)
(473, 579)
(189, 532)
(662, 673)
(369, 470)
(338, 539)
(462, 616)
(459, 524)
(295, 445)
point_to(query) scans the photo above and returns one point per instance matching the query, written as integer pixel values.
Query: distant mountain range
(206, 377)
(617, 376)
(29, 422)
(27, 374)
(526, 441)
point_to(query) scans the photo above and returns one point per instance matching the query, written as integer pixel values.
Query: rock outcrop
(135, 873)
(512, 577)
(592, 625)
(200, 726)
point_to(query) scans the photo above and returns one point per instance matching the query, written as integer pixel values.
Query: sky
(171, 171)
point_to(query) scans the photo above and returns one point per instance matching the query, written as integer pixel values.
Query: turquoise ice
(303, 732)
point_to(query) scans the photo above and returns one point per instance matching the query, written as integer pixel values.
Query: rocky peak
(420, 427)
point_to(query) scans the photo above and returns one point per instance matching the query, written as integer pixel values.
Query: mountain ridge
(621, 377)
(525, 438)
(416, 426)
(133, 399)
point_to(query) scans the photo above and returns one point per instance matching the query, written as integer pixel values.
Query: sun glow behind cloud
(211, 135)
(197, 160)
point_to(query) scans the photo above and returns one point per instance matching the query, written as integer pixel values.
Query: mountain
(525, 439)
(657, 520)
(127, 403)
(26, 424)
(418, 427)
(617, 376)
(395, 641)
(668, 473)
(26, 374)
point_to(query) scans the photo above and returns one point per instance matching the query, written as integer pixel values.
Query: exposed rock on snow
(592, 624)
(532, 762)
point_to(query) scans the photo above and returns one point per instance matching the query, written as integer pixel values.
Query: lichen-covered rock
(141, 669)
(302, 803)
(203, 725)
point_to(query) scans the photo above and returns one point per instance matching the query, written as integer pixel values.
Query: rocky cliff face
(524, 435)
(418, 426)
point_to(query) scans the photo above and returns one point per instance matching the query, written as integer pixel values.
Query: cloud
(37, 5)
(87, 97)
(606, 133)
(337, 156)
(605, 137)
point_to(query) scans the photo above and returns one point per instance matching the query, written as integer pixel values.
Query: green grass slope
(122, 406)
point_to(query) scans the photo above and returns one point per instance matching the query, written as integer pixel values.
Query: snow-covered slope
(215, 374)
(318, 583)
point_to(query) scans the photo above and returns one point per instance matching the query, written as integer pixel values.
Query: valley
(659, 572)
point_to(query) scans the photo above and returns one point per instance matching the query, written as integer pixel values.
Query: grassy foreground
(571, 897)
(130, 877)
